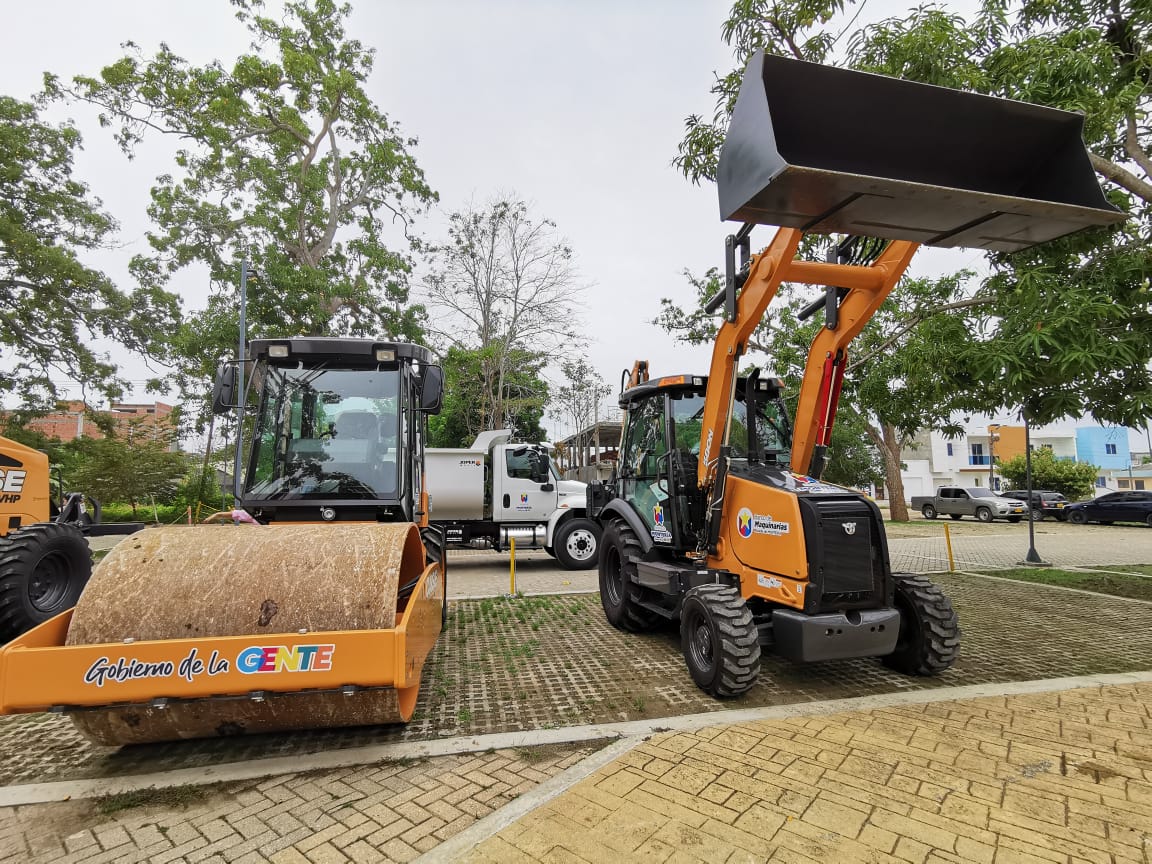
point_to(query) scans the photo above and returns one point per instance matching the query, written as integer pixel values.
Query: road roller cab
(318, 613)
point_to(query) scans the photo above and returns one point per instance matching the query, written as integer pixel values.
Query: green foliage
(577, 400)
(1059, 330)
(461, 418)
(853, 459)
(1074, 480)
(51, 303)
(284, 159)
(132, 469)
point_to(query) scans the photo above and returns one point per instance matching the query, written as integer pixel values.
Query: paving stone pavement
(1061, 777)
(388, 812)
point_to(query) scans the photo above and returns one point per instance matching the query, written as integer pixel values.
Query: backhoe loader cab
(717, 515)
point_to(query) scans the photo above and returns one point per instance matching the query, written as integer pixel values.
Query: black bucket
(832, 150)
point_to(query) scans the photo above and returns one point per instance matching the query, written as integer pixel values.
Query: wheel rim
(581, 544)
(984, 515)
(614, 584)
(700, 644)
(49, 582)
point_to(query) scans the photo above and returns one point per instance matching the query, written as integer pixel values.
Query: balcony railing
(977, 460)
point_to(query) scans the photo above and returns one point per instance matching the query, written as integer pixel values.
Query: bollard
(512, 568)
(948, 543)
(189, 515)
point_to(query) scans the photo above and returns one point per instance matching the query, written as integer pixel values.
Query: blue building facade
(1106, 447)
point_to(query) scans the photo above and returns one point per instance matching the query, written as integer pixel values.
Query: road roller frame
(38, 672)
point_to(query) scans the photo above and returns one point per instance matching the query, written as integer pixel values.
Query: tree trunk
(887, 440)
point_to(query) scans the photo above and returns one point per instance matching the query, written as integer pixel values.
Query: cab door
(644, 466)
(521, 497)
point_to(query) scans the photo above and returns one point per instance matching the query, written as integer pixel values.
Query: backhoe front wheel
(619, 552)
(929, 640)
(719, 640)
(43, 569)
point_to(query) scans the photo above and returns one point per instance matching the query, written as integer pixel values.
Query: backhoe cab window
(327, 434)
(772, 429)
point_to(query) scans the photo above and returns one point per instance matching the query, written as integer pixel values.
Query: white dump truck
(494, 491)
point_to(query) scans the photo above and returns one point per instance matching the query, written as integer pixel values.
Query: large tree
(1061, 329)
(503, 287)
(283, 159)
(52, 304)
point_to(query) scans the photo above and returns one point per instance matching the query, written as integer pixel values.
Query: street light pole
(1033, 557)
(992, 427)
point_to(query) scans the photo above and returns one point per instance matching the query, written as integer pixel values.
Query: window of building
(949, 449)
(977, 449)
(1122, 483)
(1110, 449)
(1140, 484)
(1099, 482)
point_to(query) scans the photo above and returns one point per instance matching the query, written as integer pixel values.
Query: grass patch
(1143, 569)
(1133, 587)
(172, 796)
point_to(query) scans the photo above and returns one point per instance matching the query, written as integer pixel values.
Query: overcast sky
(575, 106)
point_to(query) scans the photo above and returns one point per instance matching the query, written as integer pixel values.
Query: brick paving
(389, 812)
(1060, 777)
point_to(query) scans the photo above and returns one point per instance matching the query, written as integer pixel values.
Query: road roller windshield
(326, 433)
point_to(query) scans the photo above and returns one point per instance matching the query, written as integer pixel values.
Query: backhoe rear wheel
(720, 640)
(619, 551)
(43, 570)
(929, 639)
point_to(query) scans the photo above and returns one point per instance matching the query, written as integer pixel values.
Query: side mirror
(224, 390)
(431, 389)
(539, 463)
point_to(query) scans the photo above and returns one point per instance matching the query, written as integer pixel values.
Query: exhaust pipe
(831, 150)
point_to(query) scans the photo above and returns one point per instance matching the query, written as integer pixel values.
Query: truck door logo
(849, 528)
(523, 498)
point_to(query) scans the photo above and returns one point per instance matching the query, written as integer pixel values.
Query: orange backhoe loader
(717, 515)
(319, 613)
(44, 557)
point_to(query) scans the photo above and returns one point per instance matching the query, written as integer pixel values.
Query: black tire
(720, 641)
(984, 514)
(1078, 517)
(619, 552)
(1106, 522)
(436, 553)
(928, 511)
(577, 544)
(1036, 515)
(551, 552)
(929, 639)
(1014, 519)
(956, 515)
(43, 570)
(1148, 521)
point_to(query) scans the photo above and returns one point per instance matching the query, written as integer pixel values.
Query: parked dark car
(1114, 507)
(1045, 503)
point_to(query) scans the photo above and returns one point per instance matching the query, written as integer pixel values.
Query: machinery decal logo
(811, 484)
(767, 581)
(749, 523)
(849, 528)
(658, 515)
(523, 505)
(432, 585)
(471, 462)
(744, 523)
(11, 483)
(659, 532)
(285, 658)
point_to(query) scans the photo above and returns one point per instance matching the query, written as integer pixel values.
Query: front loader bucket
(832, 150)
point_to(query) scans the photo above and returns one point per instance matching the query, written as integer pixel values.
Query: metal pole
(991, 456)
(237, 480)
(1033, 557)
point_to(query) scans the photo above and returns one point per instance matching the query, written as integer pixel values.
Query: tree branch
(1122, 177)
(1134, 150)
(916, 319)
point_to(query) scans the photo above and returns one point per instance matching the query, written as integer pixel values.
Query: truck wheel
(43, 569)
(929, 639)
(576, 543)
(1077, 517)
(720, 641)
(619, 551)
(928, 511)
(984, 514)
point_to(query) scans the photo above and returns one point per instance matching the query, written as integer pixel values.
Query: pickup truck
(958, 502)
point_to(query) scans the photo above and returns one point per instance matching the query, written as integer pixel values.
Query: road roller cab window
(327, 434)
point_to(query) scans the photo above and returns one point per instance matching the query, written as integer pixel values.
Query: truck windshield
(326, 434)
(772, 428)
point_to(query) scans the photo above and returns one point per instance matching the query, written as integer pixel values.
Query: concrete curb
(500, 819)
(64, 790)
(1056, 587)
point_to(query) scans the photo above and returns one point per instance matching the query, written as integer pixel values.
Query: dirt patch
(1134, 587)
(170, 798)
